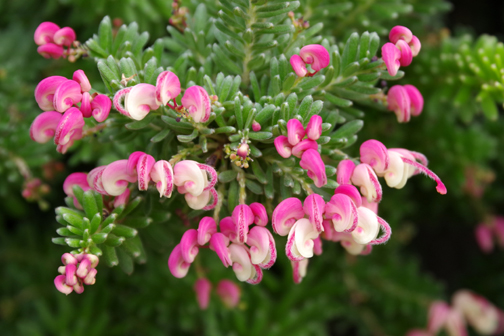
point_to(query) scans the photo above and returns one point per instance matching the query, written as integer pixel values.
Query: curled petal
(373, 206)
(44, 126)
(295, 131)
(344, 171)
(303, 146)
(219, 243)
(316, 55)
(349, 243)
(78, 288)
(206, 229)
(65, 36)
(317, 246)
(416, 99)
(391, 56)
(440, 186)
(272, 253)
(90, 278)
(286, 214)
(351, 192)
(119, 100)
(100, 107)
(115, 178)
(283, 146)
(140, 100)
(438, 314)
(257, 275)
(329, 231)
(202, 287)
(375, 154)
(70, 276)
(406, 54)
(367, 228)
(122, 199)
(93, 259)
(342, 212)
(260, 214)
(298, 65)
(198, 202)
(162, 174)
(303, 236)
(167, 87)
(229, 292)
(143, 168)
(299, 270)
(242, 266)
(85, 106)
(67, 94)
(367, 250)
(189, 245)
(94, 179)
(387, 231)
(133, 162)
(187, 174)
(176, 263)
(258, 240)
(228, 228)
(215, 200)
(68, 259)
(365, 178)
(399, 102)
(80, 77)
(51, 50)
(213, 175)
(44, 92)
(242, 217)
(69, 127)
(484, 238)
(312, 162)
(400, 33)
(314, 207)
(59, 283)
(197, 103)
(83, 268)
(415, 45)
(314, 127)
(73, 179)
(398, 172)
(45, 32)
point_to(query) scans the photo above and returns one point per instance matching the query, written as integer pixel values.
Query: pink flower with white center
(197, 103)
(162, 175)
(295, 131)
(80, 77)
(300, 240)
(345, 171)
(69, 129)
(44, 126)
(45, 33)
(79, 270)
(364, 177)
(342, 213)
(438, 315)
(188, 175)
(44, 92)
(312, 162)
(51, 50)
(229, 292)
(79, 179)
(314, 127)
(375, 154)
(299, 270)
(202, 288)
(484, 238)
(367, 227)
(167, 87)
(139, 101)
(64, 36)
(483, 316)
(241, 263)
(141, 164)
(314, 54)
(94, 179)
(115, 178)
(228, 228)
(262, 247)
(286, 214)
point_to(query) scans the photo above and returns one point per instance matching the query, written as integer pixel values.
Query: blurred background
(432, 254)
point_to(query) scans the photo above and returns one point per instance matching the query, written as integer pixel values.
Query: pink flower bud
(256, 127)
(162, 174)
(68, 259)
(260, 214)
(303, 146)
(295, 131)
(242, 217)
(176, 263)
(316, 55)
(350, 191)
(415, 45)
(243, 150)
(167, 87)
(90, 278)
(483, 235)
(314, 127)
(83, 268)
(345, 171)
(100, 106)
(406, 54)
(188, 175)
(229, 293)
(375, 154)
(140, 100)
(416, 99)
(85, 106)
(202, 287)
(299, 270)
(197, 103)
(50, 50)
(70, 276)
(94, 179)
(399, 102)
(44, 92)
(298, 65)
(206, 229)
(400, 33)
(65, 36)
(438, 314)
(59, 283)
(283, 146)
(342, 212)
(80, 77)
(312, 162)
(391, 56)
(189, 245)
(242, 266)
(286, 214)
(300, 240)
(219, 243)
(44, 126)
(314, 207)
(45, 32)
(67, 94)
(69, 128)
(115, 178)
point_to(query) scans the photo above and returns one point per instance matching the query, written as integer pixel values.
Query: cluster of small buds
(485, 234)
(305, 149)
(34, 189)
(401, 49)
(240, 156)
(229, 244)
(300, 23)
(52, 39)
(178, 16)
(228, 291)
(315, 55)
(405, 101)
(63, 118)
(467, 308)
(78, 270)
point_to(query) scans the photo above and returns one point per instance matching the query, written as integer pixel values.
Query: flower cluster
(228, 291)
(78, 270)
(305, 149)
(401, 49)
(52, 40)
(229, 244)
(315, 55)
(486, 232)
(34, 189)
(405, 101)
(467, 308)
(58, 97)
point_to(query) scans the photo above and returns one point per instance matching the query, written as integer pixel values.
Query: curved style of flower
(78, 270)
(315, 55)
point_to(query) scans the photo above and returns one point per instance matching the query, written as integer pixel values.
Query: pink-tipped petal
(140, 100)
(260, 214)
(100, 107)
(312, 162)
(298, 65)
(438, 314)
(69, 127)
(115, 178)
(70, 276)
(176, 263)
(415, 45)
(242, 266)
(344, 171)
(78, 288)
(228, 228)
(351, 192)
(211, 173)
(45, 32)
(299, 270)
(399, 102)
(67, 94)
(283, 146)
(391, 56)
(167, 87)
(162, 175)
(44, 92)
(90, 278)
(416, 99)
(143, 168)
(122, 199)
(120, 100)
(272, 253)
(367, 228)
(406, 54)
(219, 243)
(51, 50)
(303, 146)
(131, 167)
(93, 259)
(365, 178)
(400, 33)
(68, 259)
(202, 288)
(197, 103)
(317, 246)
(199, 202)
(242, 217)
(214, 201)
(59, 283)
(286, 214)
(80, 77)
(206, 229)
(85, 106)
(387, 231)
(375, 154)
(314, 206)
(44, 126)
(314, 127)
(295, 131)
(290, 248)
(342, 212)
(229, 292)
(94, 179)
(187, 174)
(259, 242)
(316, 55)
(189, 245)
(65, 36)
(440, 186)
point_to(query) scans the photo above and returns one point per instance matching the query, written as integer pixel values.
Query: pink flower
(45, 33)
(241, 263)
(345, 171)
(483, 234)
(139, 101)
(79, 179)
(207, 227)
(312, 162)
(94, 179)
(219, 243)
(202, 287)
(375, 154)
(69, 129)
(350, 191)
(176, 263)
(162, 175)
(188, 176)
(406, 54)
(400, 33)
(115, 178)
(141, 164)
(51, 50)
(79, 270)
(80, 77)
(314, 127)
(415, 46)
(256, 127)
(416, 99)
(167, 87)
(260, 214)
(303, 146)
(262, 247)
(314, 54)
(295, 131)
(64, 37)
(283, 146)
(100, 107)
(44, 126)
(229, 292)
(85, 106)
(189, 245)
(364, 177)
(67, 94)
(391, 55)
(197, 103)
(342, 212)
(399, 102)
(483, 316)
(286, 214)
(44, 92)
(300, 240)
(298, 65)
(242, 218)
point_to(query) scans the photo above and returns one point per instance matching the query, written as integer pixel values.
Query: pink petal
(399, 102)
(122, 199)
(120, 99)
(68, 259)
(416, 99)
(415, 45)
(316, 55)
(162, 175)
(257, 275)
(242, 217)
(69, 127)
(85, 106)
(312, 162)
(304, 236)
(202, 287)
(167, 87)
(189, 245)
(59, 283)
(272, 253)
(440, 186)
(187, 174)
(484, 238)
(70, 276)
(211, 172)
(65, 36)
(90, 278)
(387, 231)
(365, 178)
(115, 178)
(303, 146)
(44, 126)
(367, 228)
(283, 146)
(176, 263)
(199, 202)
(228, 228)
(314, 206)
(143, 168)
(286, 214)
(45, 32)
(406, 54)
(260, 214)
(295, 131)
(329, 231)
(258, 240)
(93, 259)
(455, 324)
(314, 127)
(398, 172)
(342, 212)
(100, 106)
(51, 50)
(438, 314)
(67, 94)
(73, 179)
(373, 206)
(242, 266)
(219, 243)
(256, 127)
(375, 154)
(298, 65)
(44, 92)
(80, 77)
(206, 229)
(214, 202)
(197, 103)
(350, 191)
(317, 246)
(400, 33)
(78, 288)
(140, 100)
(344, 171)
(83, 268)
(229, 292)
(391, 56)
(299, 270)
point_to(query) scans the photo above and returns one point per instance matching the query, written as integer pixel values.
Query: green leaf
(308, 83)
(110, 256)
(238, 111)
(260, 136)
(225, 129)
(89, 204)
(124, 231)
(113, 240)
(233, 195)
(255, 86)
(125, 261)
(223, 60)
(254, 187)
(137, 125)
(265, 114)
(488, 105)
(179, 126)
(160, 136)
(267, 12)
(227, 176)
(350, 51)
(305, 106)
(259, 172)
(99, 238)
(95, 222)
(269, 190)
(374, 44)
(338, 101)
(105, 33)
(348, 129)
(138, 222)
